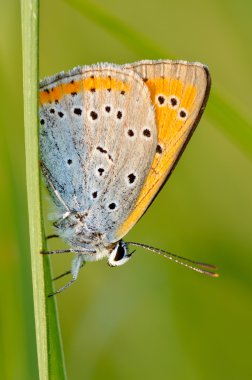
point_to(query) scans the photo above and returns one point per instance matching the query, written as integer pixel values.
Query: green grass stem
(49, 350)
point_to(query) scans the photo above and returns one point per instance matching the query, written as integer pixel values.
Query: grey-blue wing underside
(98, 143)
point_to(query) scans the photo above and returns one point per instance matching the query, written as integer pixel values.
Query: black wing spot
(52, 110)
(159, 149)
(78, 111)
(173, 101)
(94, 115)
(42, 121)
(147, 133)
(94, 194)
(182, 114)
(131, 133)
(108, 109)
(119, 115)
(60, 114)
(101, 149)
(112, 206)
(101, 171)
(161, 99)
(69, 161)
(131, 178)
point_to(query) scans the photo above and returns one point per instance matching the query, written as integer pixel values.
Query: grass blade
(50, 357)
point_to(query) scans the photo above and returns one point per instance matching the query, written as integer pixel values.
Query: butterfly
(110, 136)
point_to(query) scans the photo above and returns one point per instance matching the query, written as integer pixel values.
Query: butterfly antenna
(197, 265)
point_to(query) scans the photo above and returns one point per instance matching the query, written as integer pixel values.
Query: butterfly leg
(78, 262)
(62, 275)
(52, 236)
(67, 272)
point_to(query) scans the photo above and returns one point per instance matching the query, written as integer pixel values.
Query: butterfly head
(119, 255)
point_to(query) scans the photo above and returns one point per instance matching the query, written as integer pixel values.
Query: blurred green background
(150, 318)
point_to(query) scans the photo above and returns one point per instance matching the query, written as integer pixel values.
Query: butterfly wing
(179, 92)
(98, 139)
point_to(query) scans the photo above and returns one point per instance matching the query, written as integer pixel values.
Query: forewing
(179, 91)
(98, 140)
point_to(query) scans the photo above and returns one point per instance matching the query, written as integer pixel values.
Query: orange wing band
(88, 84)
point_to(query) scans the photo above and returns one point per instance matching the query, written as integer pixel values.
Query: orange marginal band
(97, 83)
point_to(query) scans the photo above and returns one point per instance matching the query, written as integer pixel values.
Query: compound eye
(119, 255)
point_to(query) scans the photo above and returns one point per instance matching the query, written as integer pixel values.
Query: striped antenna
(197, 265)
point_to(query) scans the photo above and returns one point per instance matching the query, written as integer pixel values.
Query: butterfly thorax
(74, 230)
